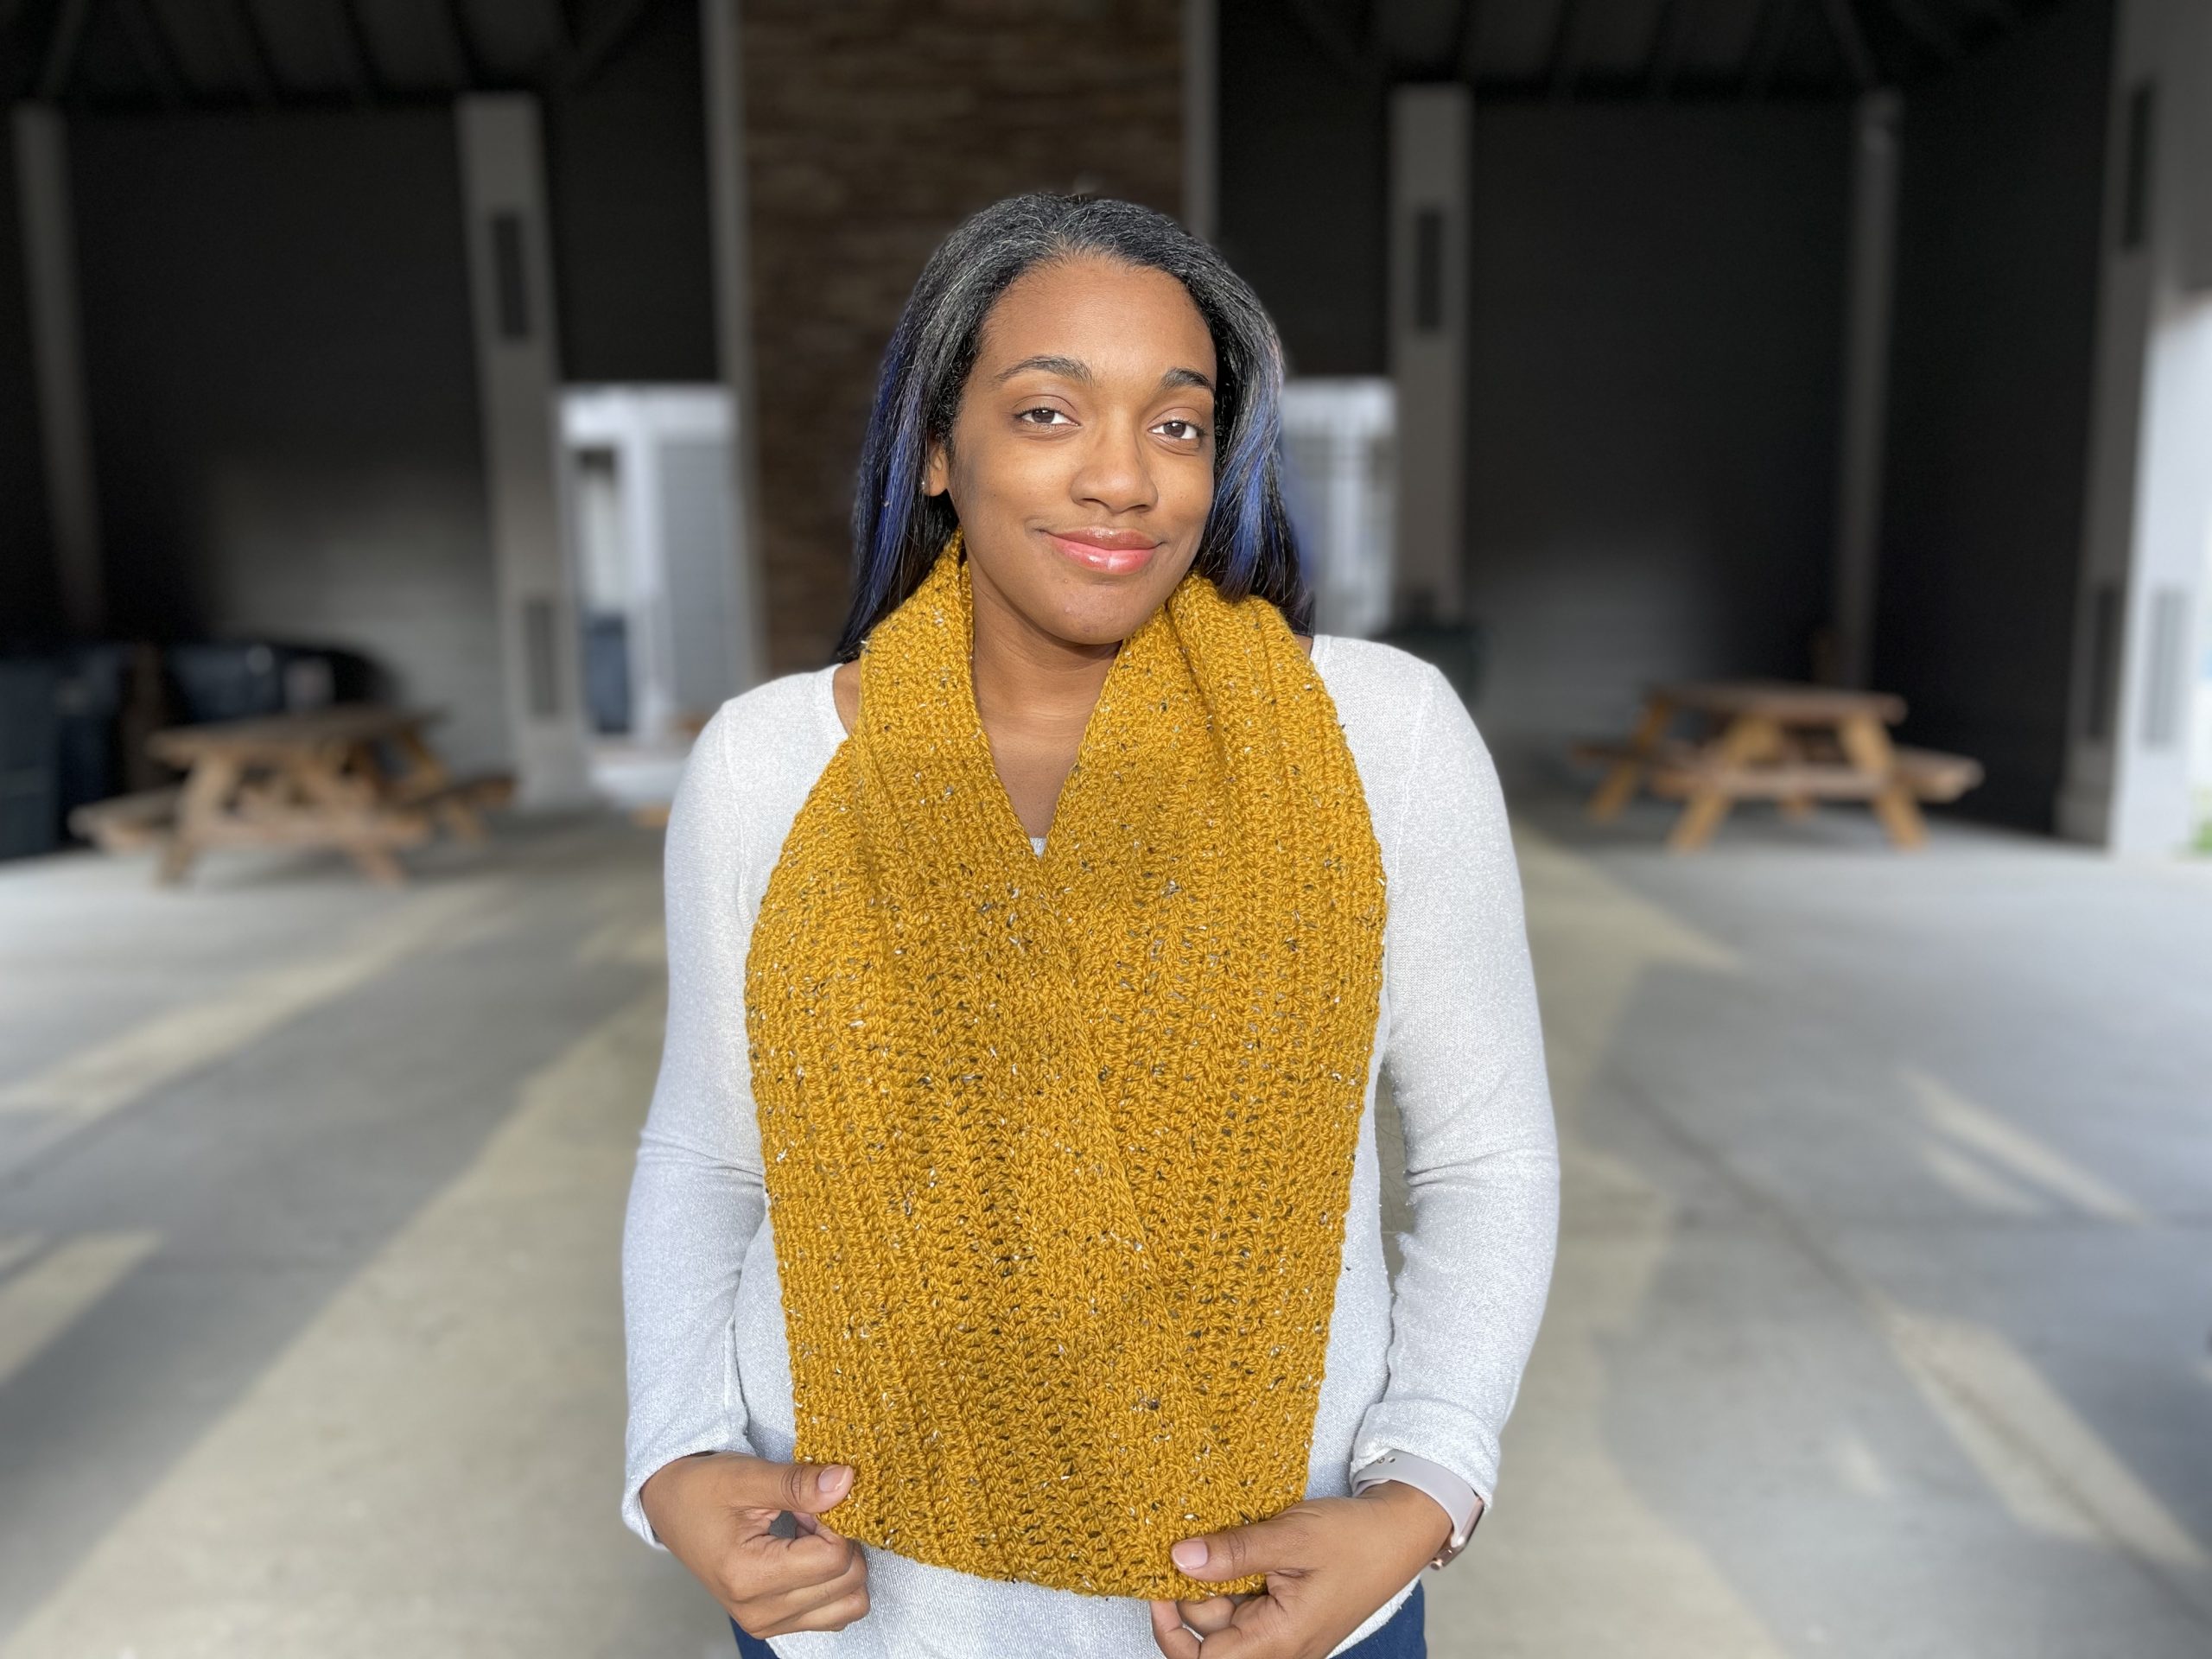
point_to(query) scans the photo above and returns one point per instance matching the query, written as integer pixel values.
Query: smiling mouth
(1115, 552)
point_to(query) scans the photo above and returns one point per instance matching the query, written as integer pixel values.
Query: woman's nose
(1113, 473)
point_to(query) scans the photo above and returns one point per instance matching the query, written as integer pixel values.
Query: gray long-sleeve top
(1428, 1367)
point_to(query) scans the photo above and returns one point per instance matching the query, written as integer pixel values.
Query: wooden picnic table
(1774, 739)
(310, 779)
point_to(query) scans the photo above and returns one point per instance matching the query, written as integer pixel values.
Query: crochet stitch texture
(1058, 1150)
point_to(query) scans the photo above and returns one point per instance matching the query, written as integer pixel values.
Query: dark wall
(1305, 188)
(1991, 395)
(29, 606)
(626, 183)
(283, 387)
(1655, 360)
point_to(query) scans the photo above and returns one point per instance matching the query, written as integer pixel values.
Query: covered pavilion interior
(1860, 342)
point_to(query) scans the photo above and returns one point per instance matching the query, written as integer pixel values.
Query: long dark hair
(1249, 546)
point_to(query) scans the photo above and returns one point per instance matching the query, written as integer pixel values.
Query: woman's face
(1081, 460)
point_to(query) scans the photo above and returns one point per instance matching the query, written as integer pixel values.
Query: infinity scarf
(1057, 1149)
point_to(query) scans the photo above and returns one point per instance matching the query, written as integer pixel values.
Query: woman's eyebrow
(1073, 368)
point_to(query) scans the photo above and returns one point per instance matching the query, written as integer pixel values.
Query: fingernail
(832, 1482)
(1189, 1554)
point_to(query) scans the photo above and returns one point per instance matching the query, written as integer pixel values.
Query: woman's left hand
(1330, 1563)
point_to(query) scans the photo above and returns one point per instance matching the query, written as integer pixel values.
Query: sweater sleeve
(697, 1196)
(1465, 1052)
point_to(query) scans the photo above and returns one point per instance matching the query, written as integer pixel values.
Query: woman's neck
(1031, 687)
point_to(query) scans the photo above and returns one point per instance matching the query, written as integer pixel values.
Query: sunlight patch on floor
(86, 1086)
(2022, 1154)
(45, 1288)
(412, 1473)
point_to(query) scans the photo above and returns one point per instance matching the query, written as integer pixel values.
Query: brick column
(872, 127)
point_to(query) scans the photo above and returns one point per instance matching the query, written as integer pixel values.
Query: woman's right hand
(714, 1511)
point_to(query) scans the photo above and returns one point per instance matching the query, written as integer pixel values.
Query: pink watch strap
(1454, 1496)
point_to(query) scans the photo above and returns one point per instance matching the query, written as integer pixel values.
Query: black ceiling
(242, 53)
(228, 54)
(1658, 48)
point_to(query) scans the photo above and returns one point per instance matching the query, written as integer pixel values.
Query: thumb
(1239, 1552)
(801, 1488)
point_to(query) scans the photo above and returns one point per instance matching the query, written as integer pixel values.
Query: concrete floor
(1880, 1325)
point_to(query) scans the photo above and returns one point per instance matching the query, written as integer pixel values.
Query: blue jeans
(1403, 1636)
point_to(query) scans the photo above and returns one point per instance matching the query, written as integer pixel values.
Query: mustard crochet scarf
(1059, 1149)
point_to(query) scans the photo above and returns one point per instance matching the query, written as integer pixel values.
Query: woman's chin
(1075, 613)
(1095, 624)
(1095, 610)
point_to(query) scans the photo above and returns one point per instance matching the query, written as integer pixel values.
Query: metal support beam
(1467, 48)
(157, 24)
(461, 55)
(62, 47)
(351, 49)
(149, 50)
(1670, 30)
(1566, 41)
(563, 30)
(1358, 56)
(1770, 36)
(242, 30)
(49, 240)
(1935, 37)
(598, 48)
(1851, 42)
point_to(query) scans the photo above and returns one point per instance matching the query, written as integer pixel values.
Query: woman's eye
(1049, 414)
(1179, 431)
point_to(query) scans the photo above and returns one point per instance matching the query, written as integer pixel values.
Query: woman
(1072, 1334)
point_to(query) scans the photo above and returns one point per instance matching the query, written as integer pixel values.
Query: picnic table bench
(309, 779)
(1771, 739)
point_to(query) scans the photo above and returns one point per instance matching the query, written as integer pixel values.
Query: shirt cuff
(633, 1485)
(1458, 1499)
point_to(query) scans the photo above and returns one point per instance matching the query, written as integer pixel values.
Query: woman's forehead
(1118, 321)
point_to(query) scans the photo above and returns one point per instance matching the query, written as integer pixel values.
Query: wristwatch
(1454, 1496)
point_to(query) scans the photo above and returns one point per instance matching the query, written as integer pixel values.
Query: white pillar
(2149, 515)
(49, 233)
(730, 221)
(1201, 118)
(1431, 142)
(1865, 382)
(518, 379)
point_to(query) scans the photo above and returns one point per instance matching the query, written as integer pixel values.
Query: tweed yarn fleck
(1059, 1149)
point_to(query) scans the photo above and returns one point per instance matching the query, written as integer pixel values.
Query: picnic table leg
(1748, 738)
(1620, 786)
(460, 818)
(208, 789)
(1868, 747)
(379, 865)
(1790, 753)
(320, 778)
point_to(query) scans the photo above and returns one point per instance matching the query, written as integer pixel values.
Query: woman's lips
(1114, 554)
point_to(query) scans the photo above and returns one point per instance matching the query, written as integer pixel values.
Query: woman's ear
(936, 473)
